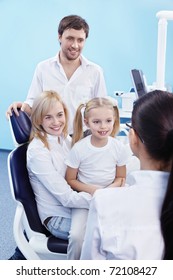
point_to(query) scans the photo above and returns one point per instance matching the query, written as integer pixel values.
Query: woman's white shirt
(124, 223)
(46, 171)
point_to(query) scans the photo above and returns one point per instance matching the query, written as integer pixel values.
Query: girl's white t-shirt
(97, 165)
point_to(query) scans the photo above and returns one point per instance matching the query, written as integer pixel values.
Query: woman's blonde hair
(91, 104)
(41, 107)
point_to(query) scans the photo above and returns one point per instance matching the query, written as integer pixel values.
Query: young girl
(45, 162)
(98, 160)
(137, 222)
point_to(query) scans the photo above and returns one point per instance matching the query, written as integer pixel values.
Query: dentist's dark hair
(152, 119)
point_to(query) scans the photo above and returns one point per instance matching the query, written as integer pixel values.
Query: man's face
(72, 42)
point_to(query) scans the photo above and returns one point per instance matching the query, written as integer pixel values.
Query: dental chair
(31, 237)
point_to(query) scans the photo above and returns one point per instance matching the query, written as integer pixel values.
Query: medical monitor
(139, 82)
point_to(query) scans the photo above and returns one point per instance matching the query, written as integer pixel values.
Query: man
(69, 73)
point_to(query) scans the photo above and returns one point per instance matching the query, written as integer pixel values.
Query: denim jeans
(59, 227)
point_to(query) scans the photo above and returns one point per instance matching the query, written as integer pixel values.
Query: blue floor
(7, 211)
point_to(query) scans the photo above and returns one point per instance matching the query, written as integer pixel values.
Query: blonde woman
(49, 145)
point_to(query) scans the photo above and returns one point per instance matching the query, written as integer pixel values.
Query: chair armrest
(20, 237)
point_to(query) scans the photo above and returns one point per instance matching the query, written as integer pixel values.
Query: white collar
(84, 61)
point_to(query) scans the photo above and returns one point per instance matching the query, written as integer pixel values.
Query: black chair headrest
(21, 127)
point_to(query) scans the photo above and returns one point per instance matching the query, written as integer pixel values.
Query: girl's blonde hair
(91, 104)
(41, 107)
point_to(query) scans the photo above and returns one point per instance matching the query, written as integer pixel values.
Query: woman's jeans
(72, 230)
(59, 227)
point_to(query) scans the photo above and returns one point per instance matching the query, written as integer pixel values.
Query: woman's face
(135, 142)
(54, 121)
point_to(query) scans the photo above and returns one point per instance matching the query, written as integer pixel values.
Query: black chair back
(22, 188)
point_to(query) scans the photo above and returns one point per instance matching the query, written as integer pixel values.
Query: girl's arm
(120, 178)
(71, 178)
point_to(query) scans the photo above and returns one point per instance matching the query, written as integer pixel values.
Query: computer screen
(139, 82)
